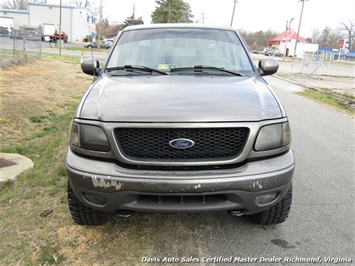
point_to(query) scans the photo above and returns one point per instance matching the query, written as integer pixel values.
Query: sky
(250, 15)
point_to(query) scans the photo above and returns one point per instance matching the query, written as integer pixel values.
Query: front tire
(276, 214)
(82, 214)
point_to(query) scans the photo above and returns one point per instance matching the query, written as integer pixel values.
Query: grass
(71, 48)
(104, 50)
(9, 57)
(328, 99)
(35, 224)
(63, 58)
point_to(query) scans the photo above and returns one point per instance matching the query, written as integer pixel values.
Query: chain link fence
(312, 64)
(20, 46)
(316, 64)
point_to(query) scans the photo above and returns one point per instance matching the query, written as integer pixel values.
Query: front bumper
(118, 188)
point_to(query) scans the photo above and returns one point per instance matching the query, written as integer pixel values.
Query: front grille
(153, 143)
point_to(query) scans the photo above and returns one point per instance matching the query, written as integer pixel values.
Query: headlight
(88, 137)
(273, 137)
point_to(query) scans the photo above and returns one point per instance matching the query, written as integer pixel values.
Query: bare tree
(112, 30)
(315, 35)
(349, 28)
(85, 3)
(20, 4)
(327, 38)
(15, 4)
(102, 23)
(259, 39)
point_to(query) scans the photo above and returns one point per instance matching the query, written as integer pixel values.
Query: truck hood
(179, 99)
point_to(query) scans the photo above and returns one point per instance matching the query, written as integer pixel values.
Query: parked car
(31, 35)
(16, 34)
(4, 31)
(111, 40)
(273, 52)
(179, 119)
(103, 45)
(266, 50)
(257, 52)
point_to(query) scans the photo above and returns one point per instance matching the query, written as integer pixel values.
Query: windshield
(174, 48)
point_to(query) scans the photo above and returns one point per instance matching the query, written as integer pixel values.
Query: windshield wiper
(136, 68)
(200, 68)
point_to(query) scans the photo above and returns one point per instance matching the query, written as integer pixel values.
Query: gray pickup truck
(179, 119)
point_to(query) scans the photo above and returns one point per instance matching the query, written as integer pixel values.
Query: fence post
(40, 41)
(14, 44)
(24, 39)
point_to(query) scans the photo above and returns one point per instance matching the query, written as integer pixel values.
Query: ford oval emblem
(181, 143)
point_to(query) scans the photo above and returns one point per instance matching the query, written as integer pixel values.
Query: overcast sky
(250, 15)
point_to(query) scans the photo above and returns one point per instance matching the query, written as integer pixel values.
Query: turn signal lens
(74, 134)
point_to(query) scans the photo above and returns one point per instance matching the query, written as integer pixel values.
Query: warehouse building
(77, 22)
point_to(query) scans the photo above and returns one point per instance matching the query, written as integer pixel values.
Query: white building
(9, 16)
(286, 43)
(76, 22)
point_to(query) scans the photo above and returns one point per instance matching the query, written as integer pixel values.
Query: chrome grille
(153, 143)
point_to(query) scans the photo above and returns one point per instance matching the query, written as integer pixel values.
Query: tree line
(326, 38)
(179, 11)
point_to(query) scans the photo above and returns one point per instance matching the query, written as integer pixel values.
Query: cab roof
(176, 25)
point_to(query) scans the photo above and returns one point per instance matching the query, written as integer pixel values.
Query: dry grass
(36, 90)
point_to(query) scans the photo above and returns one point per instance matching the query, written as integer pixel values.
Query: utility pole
(60, 28)
(299, 27)
(134, 13)
(235, 2)
(203, 18)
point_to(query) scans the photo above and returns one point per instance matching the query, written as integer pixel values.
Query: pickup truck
(55, 36)
(179, 119)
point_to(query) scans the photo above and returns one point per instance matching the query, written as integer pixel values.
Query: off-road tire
(275, 214)
(82, 214)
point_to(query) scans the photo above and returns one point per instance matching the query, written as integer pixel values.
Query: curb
(338, 96)
(10, 173)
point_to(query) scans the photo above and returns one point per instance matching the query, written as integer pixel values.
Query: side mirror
(268, 67)
(91, 66)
